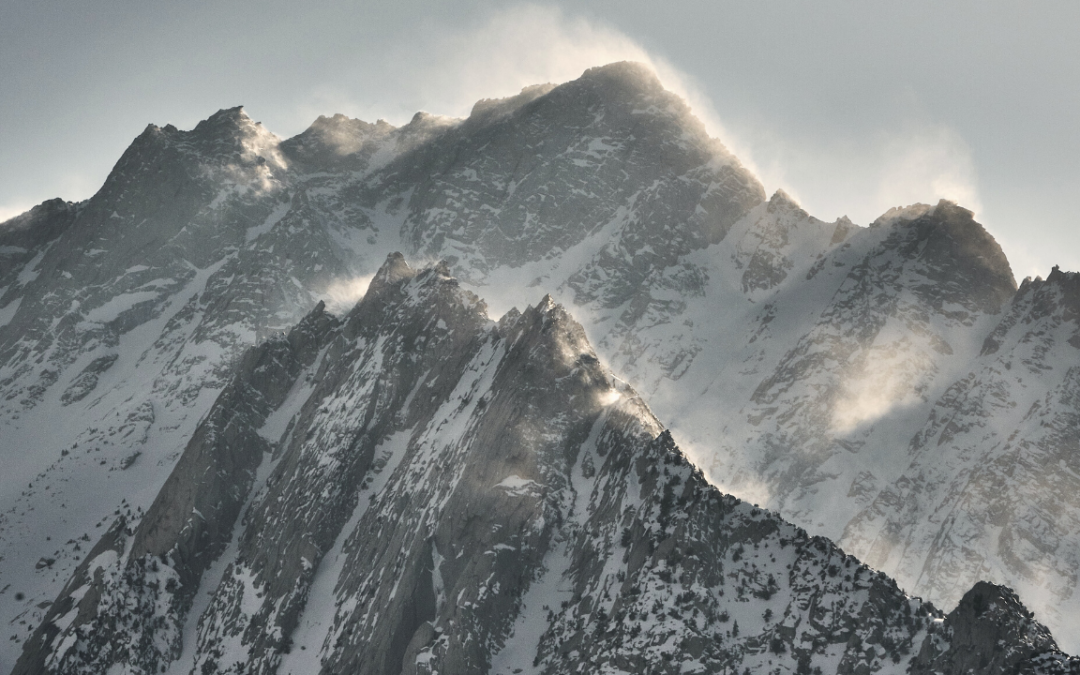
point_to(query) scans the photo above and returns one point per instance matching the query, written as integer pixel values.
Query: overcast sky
(852, 107)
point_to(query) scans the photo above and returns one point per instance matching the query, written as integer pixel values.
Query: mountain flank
(490, 499)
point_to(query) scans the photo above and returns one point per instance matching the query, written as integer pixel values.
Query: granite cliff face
(419, 489)
(852, 378)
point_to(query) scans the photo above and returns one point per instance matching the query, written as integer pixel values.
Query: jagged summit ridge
(489, 498)
(630, 74)
(492, 107)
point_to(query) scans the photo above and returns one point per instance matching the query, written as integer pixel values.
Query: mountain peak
(230, 129)
(393, 270)
(235, 115)
(1059, 292)
(957, 252)
(946, 206)
(338, 124)
(224, 121)
(1061, 277)
(337, 142)
(423, 120)
(839, 354)
(973, 245)
(622, 89)
(782, 202)
(626, 74)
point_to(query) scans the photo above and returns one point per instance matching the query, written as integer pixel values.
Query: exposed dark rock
(989, 633)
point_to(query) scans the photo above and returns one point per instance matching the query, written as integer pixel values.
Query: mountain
(489, 498)
(125, 317)
(805, 366)
(1005, 506)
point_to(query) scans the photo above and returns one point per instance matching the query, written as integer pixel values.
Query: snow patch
(8, 312)
(516, 486)
(118, 305)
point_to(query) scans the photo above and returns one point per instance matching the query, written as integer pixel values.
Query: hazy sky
(852, 107)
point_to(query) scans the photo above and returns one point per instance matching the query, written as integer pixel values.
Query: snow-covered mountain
(125, 313)
(424, 490)
(991, 489)
(806, 366)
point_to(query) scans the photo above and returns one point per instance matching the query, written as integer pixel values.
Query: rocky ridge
(491, 499)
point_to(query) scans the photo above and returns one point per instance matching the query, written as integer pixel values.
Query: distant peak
(227, 121)
(424, 118)
(553, 313)
(442, 268)
(624, 72)
(44, 208)
(1058, 295)
(946, 237)
(945, 207)
(548, 307)
(393, 270)
(782, 195)
(340, 121)
(44, 220)
(337, 142)
(624, 83)
(226, 117)
(782, 202)
(1057, 275)
(551, 323)
(1067, 281)
(335, 120)
(234, 113)
(229, 124)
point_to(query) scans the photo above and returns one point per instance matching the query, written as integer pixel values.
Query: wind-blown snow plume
(864, 176)
(525, 44)
(342, 294)
(522, 45)
(933, 162)
(872, 393)
(9, 211)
